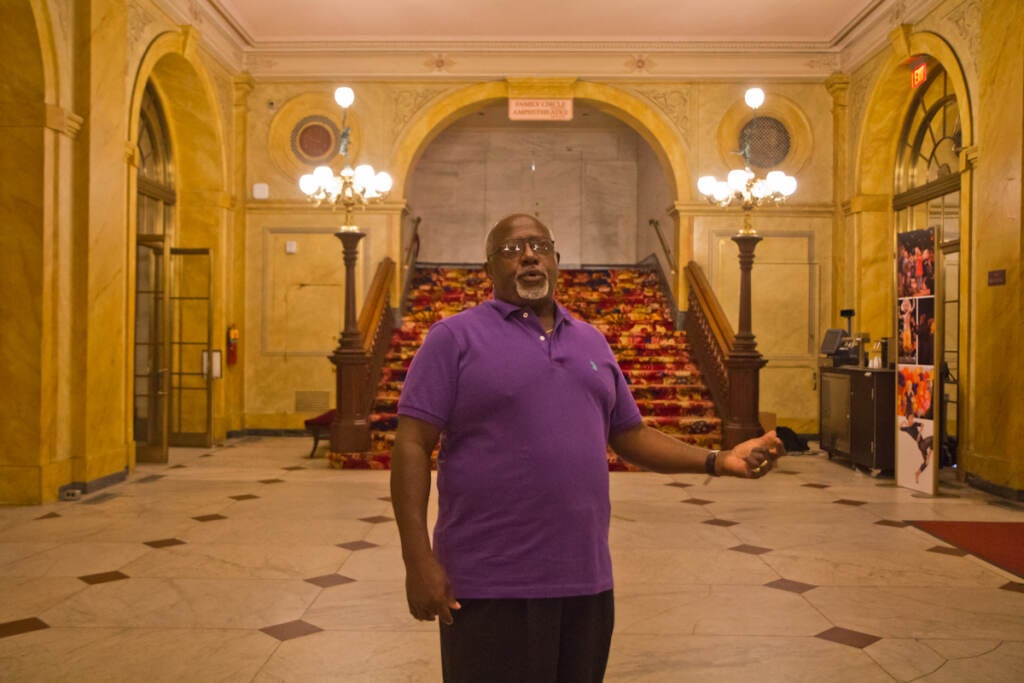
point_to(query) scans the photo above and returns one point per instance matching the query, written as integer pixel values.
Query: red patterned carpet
(627, 305)
(999, 543)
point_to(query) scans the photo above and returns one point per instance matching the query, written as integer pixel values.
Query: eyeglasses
(511, 249)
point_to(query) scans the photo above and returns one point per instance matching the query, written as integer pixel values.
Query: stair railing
(710, 335)
(411, 256)
(376, 323)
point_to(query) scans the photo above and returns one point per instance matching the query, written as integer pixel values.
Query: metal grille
(764, 142)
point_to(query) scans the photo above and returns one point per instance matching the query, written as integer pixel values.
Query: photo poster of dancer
(916, 464)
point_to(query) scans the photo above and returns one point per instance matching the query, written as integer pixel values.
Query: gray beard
(533, 293)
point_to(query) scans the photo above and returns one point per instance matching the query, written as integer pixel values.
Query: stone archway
(202, 203)
(875, 158)
(639, 114)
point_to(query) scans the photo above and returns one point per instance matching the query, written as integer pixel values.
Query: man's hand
(752, 458)
(428, 591)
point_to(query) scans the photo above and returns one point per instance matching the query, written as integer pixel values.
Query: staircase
(627, 305)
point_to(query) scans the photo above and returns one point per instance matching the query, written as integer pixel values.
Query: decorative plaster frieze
(406, 102)
(439, 63)
(674, 102)
(139, 20)
(641, 63)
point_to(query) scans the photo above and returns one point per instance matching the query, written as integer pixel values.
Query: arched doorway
(927, 207)
(593, 180)
(648, 121)
(177, 218)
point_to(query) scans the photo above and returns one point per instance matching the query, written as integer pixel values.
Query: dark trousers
(548, 640)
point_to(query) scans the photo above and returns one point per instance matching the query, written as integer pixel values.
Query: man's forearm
(410, 492)
(658, 452)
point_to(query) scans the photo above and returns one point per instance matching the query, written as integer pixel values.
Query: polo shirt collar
(508, 309)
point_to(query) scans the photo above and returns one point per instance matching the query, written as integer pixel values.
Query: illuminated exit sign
(919, 74)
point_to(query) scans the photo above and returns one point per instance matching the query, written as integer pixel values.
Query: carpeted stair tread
(626, 305)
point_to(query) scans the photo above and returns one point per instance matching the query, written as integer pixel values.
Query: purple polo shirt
(523, 505)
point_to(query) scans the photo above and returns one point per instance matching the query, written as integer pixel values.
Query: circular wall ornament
(765, 141)
(306, 132)
(777, 136)
(315, 139)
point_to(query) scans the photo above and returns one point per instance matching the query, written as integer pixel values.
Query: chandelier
(742, 186)
(352, 188)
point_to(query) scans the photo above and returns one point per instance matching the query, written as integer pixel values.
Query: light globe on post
(350, 189)
(743, 362)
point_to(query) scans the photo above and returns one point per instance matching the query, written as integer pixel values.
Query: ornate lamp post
(351, 189)
(744, 362)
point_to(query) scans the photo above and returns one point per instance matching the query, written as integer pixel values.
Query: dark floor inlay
(103, 577)
(376, 519)
(386, 499)
(720, 522)
(698, 501)
(164, 542)
(946, 550)
(357, 545)
(750, 549)
(791, 586)
(789, 472)
(150, 478)
(244, 496)
(293, 468)
(206, 455)
(291, 629)
(271, 481)
(100, 498)
(209, 518)
(845, 636)
(891, 522)
(1015, 586)
(14, 628)
(328, 580)
(847, 501)
(817, 486)
(679, 484)
(179, 466)
(49, 515)
(887, 484)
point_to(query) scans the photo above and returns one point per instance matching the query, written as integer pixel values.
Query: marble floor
(251, 562)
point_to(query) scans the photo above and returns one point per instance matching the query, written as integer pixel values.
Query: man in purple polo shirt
(524, 399)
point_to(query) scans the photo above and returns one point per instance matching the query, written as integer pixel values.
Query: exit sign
(918, 75)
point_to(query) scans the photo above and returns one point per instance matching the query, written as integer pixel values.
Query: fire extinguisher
(232, 344)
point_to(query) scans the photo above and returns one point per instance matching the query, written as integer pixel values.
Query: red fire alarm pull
(232, 344)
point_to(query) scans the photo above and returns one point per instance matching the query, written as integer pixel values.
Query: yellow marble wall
(996, 366)
(24, 248)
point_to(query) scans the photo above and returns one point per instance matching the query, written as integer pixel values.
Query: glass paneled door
(191, 376)
(152, 349)
(173, 338)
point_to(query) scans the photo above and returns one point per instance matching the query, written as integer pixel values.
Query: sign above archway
(540, 109)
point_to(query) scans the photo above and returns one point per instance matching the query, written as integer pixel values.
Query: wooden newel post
(744, 362)
(350, 430)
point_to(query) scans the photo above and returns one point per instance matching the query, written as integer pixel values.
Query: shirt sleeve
(429, 390)
(626, 414)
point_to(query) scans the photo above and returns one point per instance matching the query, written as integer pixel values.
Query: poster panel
(916, 466)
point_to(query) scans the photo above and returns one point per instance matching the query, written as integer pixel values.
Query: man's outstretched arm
(659, 452)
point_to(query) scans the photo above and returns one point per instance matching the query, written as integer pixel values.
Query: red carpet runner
(626, 304)
(998, 543)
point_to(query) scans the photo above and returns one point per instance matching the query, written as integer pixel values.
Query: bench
(319, 427)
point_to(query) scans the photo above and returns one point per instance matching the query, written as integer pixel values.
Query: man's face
(528, 276)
